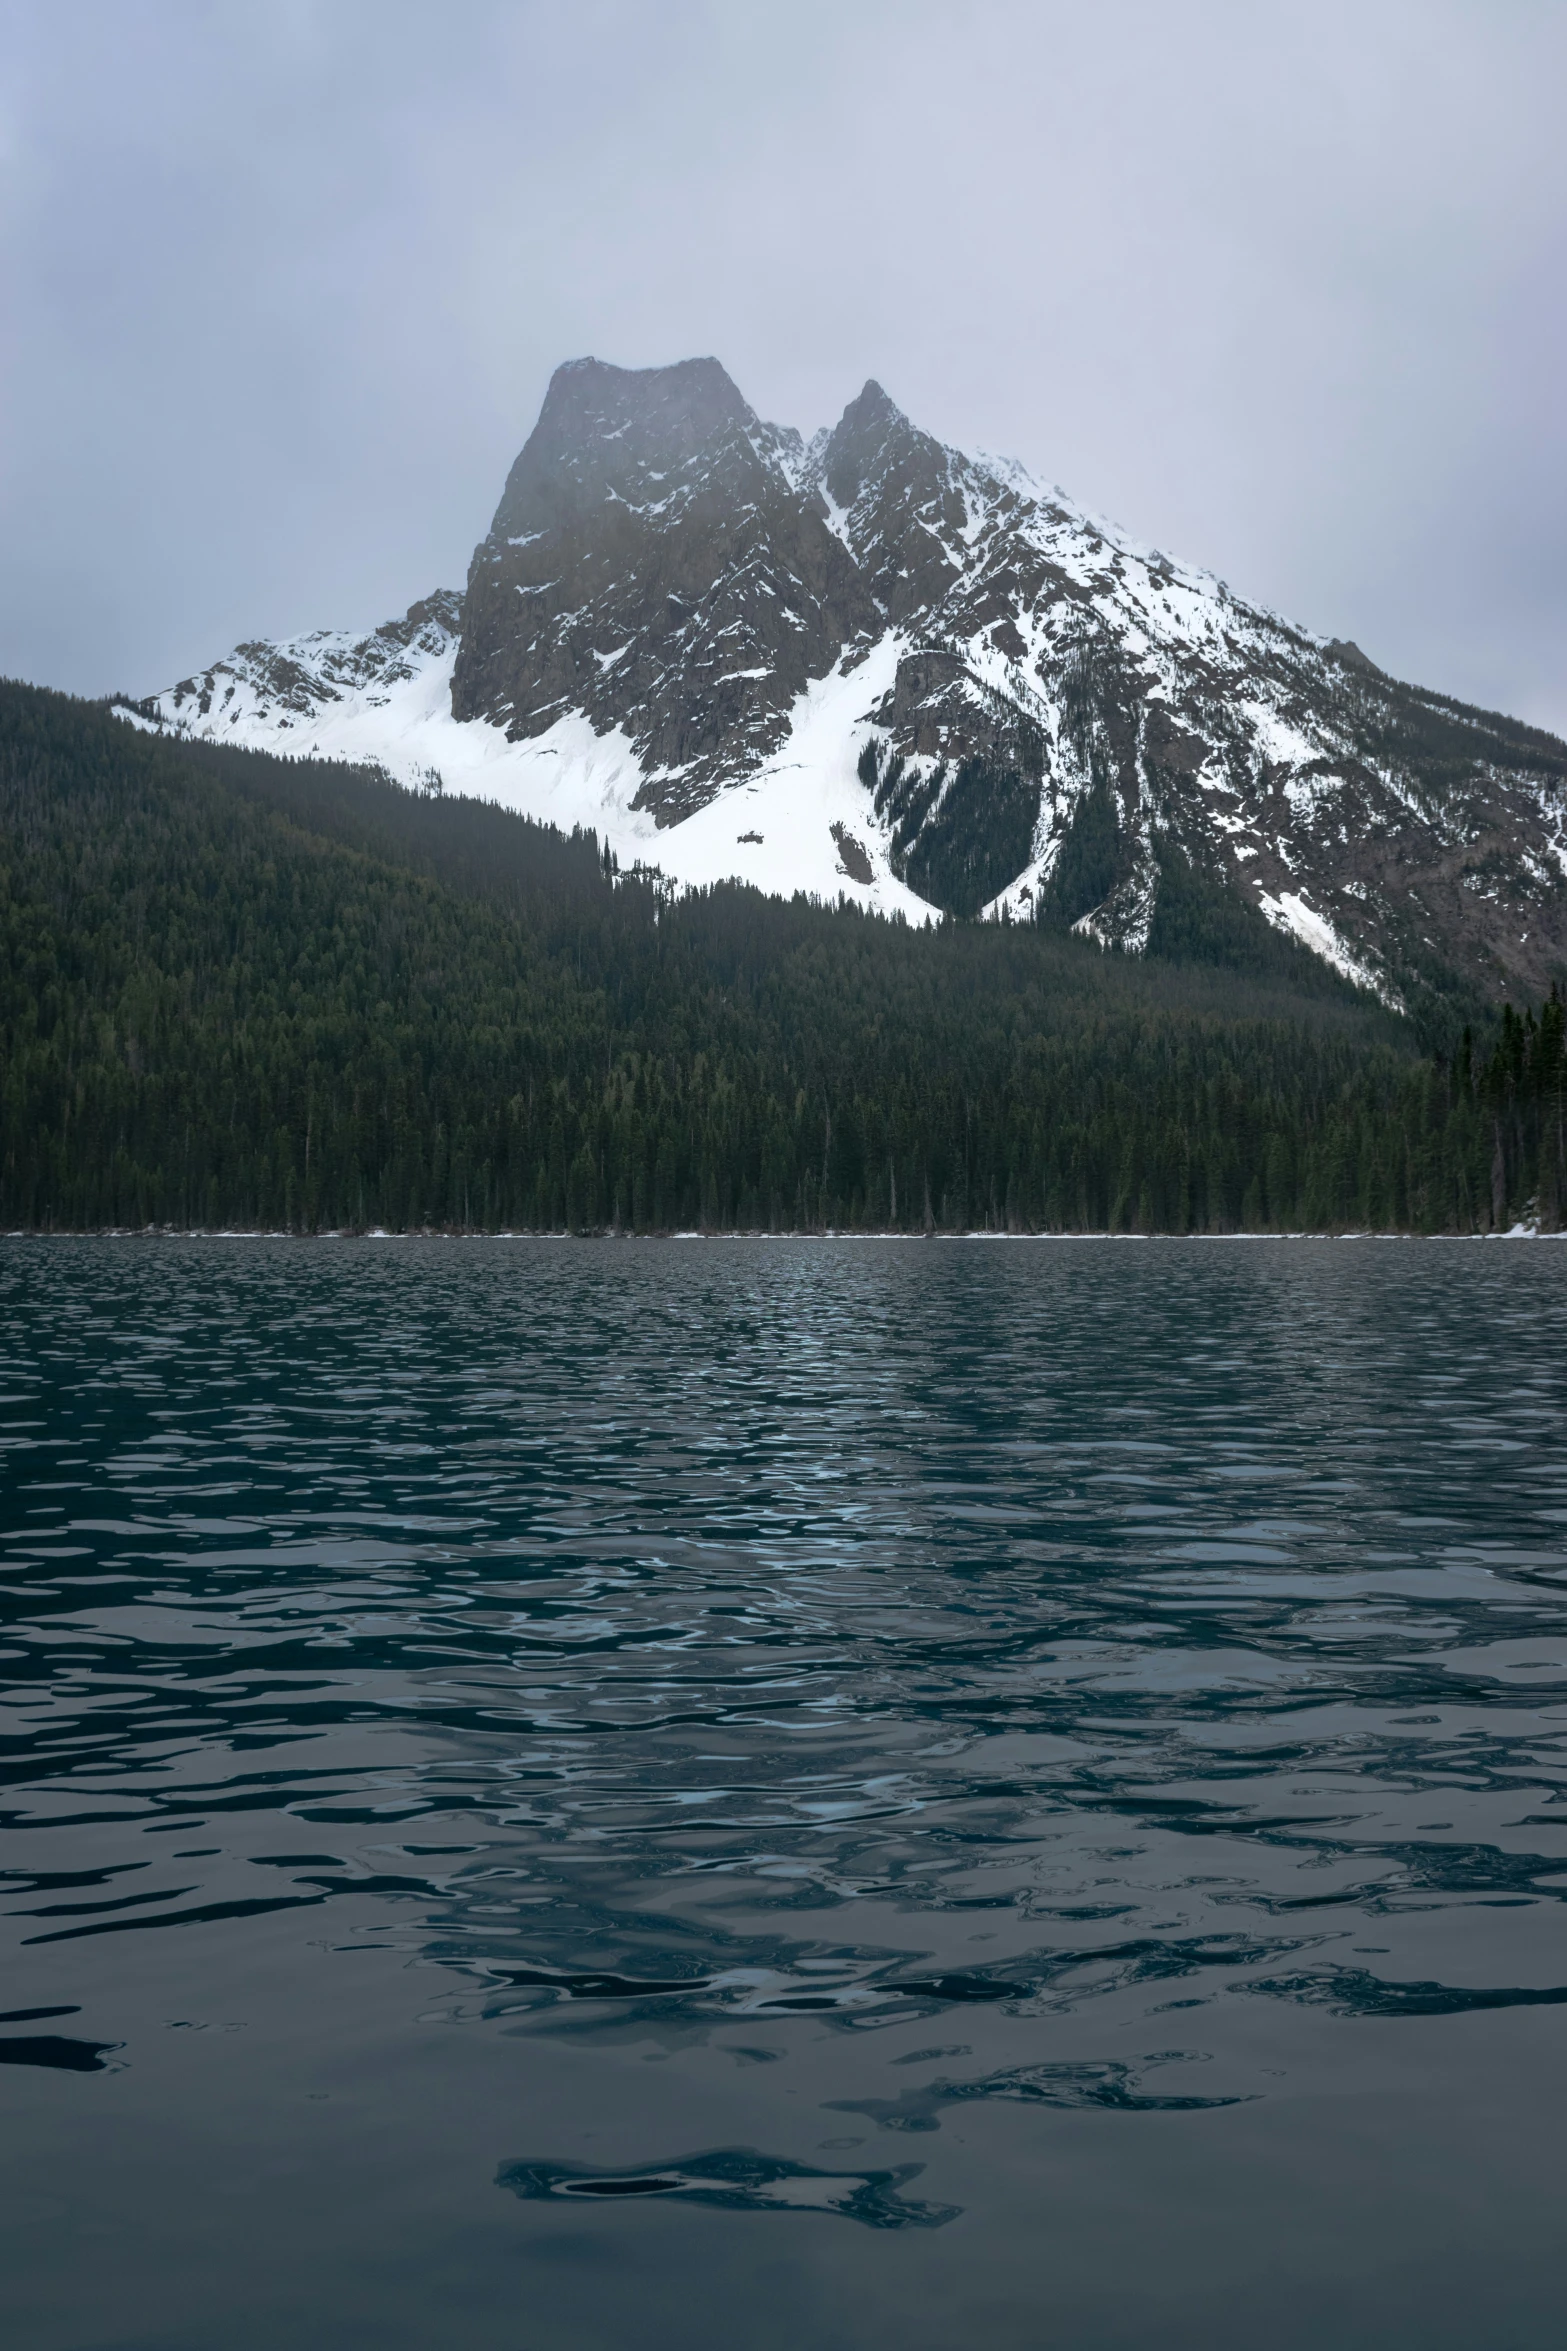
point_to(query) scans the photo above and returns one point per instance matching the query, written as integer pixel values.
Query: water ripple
(655, 1647)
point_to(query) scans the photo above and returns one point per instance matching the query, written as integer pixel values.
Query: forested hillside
(239, 991)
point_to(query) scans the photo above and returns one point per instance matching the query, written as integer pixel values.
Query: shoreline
(1518, 1232)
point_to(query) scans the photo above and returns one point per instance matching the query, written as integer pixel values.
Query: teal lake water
(613, 1796)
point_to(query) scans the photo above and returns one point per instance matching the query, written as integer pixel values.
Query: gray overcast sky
(1277, 286)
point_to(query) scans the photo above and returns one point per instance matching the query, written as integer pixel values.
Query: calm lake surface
(602, 1796)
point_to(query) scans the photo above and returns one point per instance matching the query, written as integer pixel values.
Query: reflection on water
(737, 2179)
(1097, 1705)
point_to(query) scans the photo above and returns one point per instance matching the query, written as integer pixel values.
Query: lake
(595, 1796)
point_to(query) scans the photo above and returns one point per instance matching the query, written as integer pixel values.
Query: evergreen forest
(240, 992)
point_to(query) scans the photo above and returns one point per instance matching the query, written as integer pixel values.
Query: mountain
(243, 991)
(873, 666)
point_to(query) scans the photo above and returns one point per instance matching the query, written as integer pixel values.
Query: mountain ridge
(876, 666)
(247, 992)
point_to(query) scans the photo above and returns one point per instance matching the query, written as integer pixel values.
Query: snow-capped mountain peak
(876, 665)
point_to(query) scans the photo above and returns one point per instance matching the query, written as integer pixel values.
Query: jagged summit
(881, 666)
(604, 427)
(656, 565)
(858, 440)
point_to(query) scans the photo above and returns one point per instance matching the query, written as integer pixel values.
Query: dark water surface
(593, 1797)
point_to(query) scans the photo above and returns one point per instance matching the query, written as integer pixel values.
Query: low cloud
(1277, 288)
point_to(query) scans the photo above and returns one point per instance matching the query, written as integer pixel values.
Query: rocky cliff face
(657, 562)
(874, 663)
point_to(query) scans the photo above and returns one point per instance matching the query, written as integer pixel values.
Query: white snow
(795, 798)
(570, 775)
(1289, 912)
(370, 699)
(1283, 745)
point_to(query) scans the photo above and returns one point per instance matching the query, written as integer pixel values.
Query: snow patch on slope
(1289, 912)
(570, 775)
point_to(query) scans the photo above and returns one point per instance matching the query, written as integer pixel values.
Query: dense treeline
(237, 991)
(1518, 1094)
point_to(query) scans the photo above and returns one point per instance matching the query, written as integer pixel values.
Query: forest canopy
(244, 992)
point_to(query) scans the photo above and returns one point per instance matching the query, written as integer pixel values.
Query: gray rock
(664, 563)
(659, 562)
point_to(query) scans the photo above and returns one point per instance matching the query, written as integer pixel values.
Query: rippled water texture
(592, 1797)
